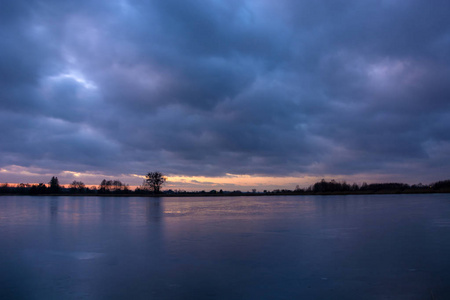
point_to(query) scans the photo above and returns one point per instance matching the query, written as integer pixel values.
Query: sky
(225, 94)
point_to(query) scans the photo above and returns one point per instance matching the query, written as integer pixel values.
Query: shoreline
(234, 194)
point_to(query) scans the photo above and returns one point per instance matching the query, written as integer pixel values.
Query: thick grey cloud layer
(213, 87)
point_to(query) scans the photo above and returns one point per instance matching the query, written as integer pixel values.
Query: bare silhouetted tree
(155, 180)
(77, 186)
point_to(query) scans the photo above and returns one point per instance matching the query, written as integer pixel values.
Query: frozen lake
(280, 247)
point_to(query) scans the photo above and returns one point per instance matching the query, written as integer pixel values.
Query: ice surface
(338, 247)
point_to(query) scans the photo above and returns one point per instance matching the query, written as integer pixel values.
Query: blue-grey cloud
(216, 87)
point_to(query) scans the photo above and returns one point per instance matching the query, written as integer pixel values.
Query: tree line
(151, 185)
(154, 181)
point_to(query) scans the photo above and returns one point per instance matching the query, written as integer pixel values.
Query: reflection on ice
(77, 255)
(51, 254)
(441, 222)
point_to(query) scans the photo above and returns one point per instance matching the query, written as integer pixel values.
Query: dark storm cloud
(214, 87)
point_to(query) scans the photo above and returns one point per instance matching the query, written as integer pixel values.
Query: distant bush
(441, 185)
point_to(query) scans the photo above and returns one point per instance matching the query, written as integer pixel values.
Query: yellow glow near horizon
(75, 174)
(245, 180)
(229, 181)
(239, 180)
(232, 182)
